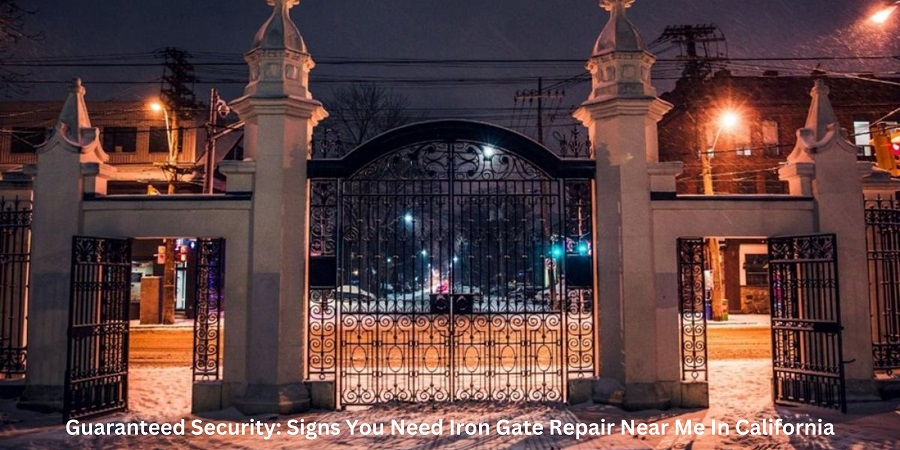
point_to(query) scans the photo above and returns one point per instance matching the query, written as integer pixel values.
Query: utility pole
(177, 94)
(218, 108)
(700, 47)
(539, 95)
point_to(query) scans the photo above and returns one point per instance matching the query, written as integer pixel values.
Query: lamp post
(727, 121)
(883, 14)
(170, 167)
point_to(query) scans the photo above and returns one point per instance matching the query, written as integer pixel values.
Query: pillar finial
(286, 4)
(609, 5)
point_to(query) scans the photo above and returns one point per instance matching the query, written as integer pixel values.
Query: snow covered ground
(739, 389)
(162, 395)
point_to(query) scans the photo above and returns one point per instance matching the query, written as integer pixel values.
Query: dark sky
(456, 29)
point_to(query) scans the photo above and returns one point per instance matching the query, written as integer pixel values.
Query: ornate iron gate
(97, 363)
(883, 241)
(450, 269)
(208, 307)
(692, 308)
(15, 258)
(806, 321)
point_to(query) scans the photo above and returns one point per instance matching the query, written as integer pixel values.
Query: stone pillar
(69, 165)
(838, 190)
(279, 113)
(621, 115)
(799, 176)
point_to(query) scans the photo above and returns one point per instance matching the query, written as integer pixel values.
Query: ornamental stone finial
(610, 4)
(287, 3)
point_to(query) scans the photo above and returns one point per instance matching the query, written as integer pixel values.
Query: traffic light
(887, 147)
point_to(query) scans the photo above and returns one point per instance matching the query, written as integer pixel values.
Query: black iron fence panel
(692, 308)
(15, 259)
(458, 274)
(883, 250)
(97, 362)
(210, 304)
(806, 321)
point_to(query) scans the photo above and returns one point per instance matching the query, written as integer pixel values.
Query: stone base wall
(755, 300)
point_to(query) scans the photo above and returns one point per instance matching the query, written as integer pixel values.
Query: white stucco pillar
(71, 156)
(621, 115)
(837, 187)
(280, 114)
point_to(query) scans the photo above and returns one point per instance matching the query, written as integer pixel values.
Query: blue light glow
(556, 251)
(582, 248)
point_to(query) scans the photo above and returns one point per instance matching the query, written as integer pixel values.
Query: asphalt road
(173, 347)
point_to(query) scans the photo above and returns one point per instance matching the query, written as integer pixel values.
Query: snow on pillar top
(619, 34)
(821, 113)
(620, 63)
(279, 60)
(821, 131)
(73, 131)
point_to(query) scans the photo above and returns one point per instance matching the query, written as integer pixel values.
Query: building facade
(133, 135)
(769, 110)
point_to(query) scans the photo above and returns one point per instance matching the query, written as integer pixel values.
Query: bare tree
(363, 111)
(12, 33)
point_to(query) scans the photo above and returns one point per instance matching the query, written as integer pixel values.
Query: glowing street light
(727, 122)
(408, 218)
(885, 13)
(170, 167)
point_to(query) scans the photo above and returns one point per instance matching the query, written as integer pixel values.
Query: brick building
(770, 109)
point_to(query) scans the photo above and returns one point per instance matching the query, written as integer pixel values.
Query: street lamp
(170, 167)
(883, 14)
(727, 121)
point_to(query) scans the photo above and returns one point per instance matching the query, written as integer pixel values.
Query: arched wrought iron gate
(451, 269)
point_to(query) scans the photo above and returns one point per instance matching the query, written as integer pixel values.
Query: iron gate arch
(449, 261)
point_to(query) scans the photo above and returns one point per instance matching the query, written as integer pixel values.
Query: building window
(862, 137)
(120, 139)
(770, 138)
(756, 269)
(747, 186)
(25, 140)
(745, 151)
(159, 142)
(708, 139)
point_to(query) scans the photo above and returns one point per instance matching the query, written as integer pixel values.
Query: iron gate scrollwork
(461, 271)
(97, 362)
(692, 308)
(15, 259)
(883, 251)
(806, 321)
(210, 303)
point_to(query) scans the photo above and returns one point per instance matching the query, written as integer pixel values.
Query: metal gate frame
(97, 362)
(15, 262)
(692, 308)
(328, 317)
(209, 304)
(883, 253)
(807, 348)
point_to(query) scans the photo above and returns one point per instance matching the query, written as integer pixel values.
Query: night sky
(221, 30)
